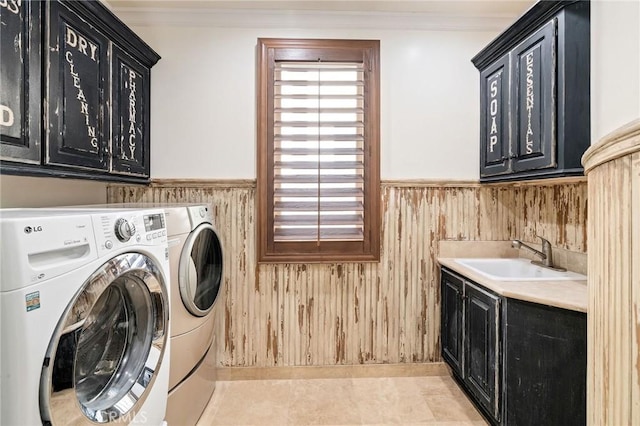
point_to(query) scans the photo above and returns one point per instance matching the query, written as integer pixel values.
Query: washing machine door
(200, 271)
(107, 349)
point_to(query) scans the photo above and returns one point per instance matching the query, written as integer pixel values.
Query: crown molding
(304, 19)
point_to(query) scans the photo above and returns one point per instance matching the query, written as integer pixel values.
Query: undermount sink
(500, 269)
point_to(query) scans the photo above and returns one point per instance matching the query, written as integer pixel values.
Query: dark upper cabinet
(451, 320)
(130, 108)
(481, 346)
(534, 85)
(77, 115)
(94, 100)
(20, 95)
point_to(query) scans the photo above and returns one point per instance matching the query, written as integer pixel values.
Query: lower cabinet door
(545, 370)
(482, 347)
(451, 321)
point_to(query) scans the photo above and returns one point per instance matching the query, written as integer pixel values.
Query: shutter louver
(318, 151)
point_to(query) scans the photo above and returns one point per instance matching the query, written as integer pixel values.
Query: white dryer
(196, 258)
(84, 317)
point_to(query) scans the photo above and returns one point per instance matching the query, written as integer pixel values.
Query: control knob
(124, 230)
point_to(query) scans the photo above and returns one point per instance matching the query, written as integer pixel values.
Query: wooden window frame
(270, 50)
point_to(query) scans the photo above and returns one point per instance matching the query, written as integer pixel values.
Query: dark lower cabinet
(470, 345)
(521, 363)
(545, 365)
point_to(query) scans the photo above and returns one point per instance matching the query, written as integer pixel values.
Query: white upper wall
(203, 103)
(615, 65)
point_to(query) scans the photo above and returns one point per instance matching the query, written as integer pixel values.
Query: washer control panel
(123, 228)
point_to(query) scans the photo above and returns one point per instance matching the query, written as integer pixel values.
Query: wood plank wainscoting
(613, 357)
(362, 313)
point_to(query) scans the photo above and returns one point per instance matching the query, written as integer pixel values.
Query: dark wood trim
(399, 183)
(203, 183)
(268, 51)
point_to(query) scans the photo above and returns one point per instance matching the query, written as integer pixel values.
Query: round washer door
(108, 346)
(200, 272)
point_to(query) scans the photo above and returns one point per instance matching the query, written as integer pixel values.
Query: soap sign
(494, 117)
(13, 40)
(82, 82)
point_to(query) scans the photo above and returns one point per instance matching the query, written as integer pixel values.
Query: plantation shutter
(318, 156)
(318, 151)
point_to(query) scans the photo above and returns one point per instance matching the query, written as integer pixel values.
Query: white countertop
(561, 294)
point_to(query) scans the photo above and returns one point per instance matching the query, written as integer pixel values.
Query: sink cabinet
(470, 330)
(521, 363)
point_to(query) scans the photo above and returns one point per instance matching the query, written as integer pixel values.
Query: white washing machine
(195, 256)
(84, 309)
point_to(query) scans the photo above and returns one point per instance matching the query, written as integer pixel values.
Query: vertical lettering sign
(131, 114)
(530, 136)
(495, 143)
(13, 43)
(81, 91)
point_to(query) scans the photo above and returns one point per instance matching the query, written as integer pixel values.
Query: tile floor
(428, 400)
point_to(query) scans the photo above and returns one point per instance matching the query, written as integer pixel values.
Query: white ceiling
(451, 7)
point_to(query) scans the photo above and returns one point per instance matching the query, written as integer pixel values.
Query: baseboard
(332, 371)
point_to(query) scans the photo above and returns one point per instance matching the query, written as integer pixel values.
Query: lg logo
(30, 229)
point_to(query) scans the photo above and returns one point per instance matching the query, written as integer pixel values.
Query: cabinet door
(451, 321)
(534, 93)
(77, 113)
(494, 119)
(130, 101)
(545, 365)
(20, 96)
(482, 346)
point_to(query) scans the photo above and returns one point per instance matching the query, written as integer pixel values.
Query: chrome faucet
(545, 255)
